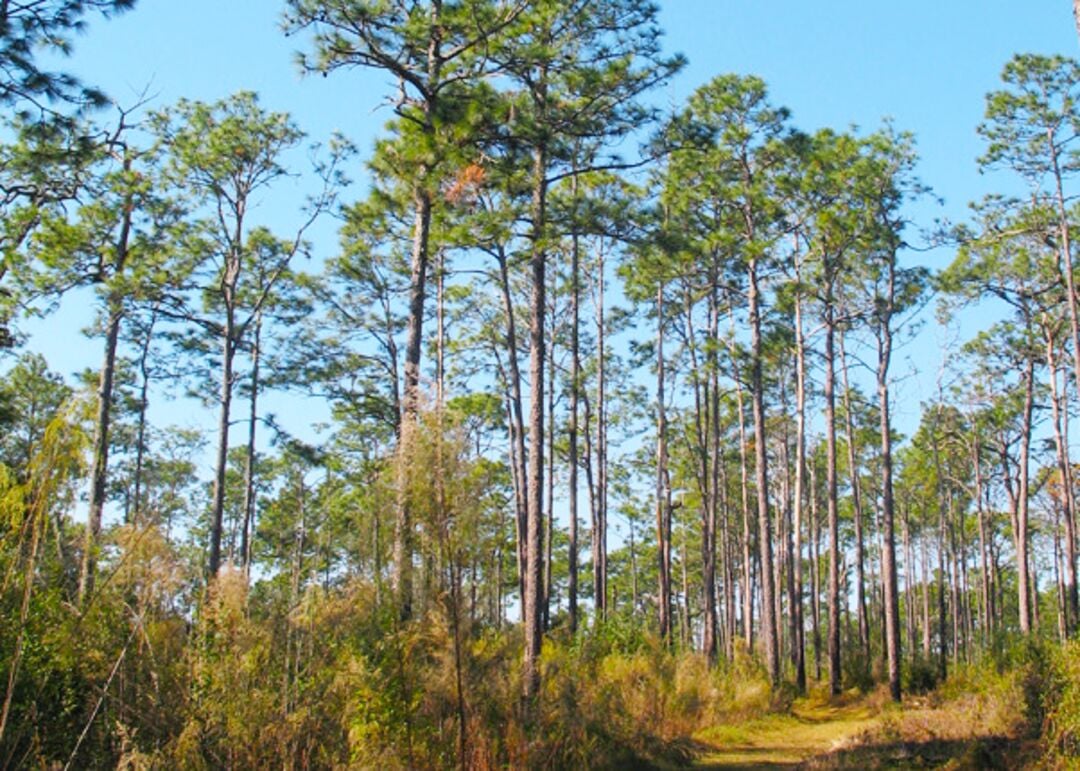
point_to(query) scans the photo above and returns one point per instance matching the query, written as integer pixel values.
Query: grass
(865, 732)
(816, 726)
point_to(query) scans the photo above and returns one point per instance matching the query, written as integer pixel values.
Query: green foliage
(1063, 705)
(27, 30)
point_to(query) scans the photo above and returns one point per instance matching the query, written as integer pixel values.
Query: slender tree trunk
(418, 270)
(799, 641)
(910, 597)
(410, 403)
(927, 632)
(575, 384)
(686, 631)
(549, 522)
(856, 500)
(769, 621)
(890, 584)
(709, 445)
(942, 605)
(1022, 560)
(600, 531)
(440, 330)
(249, 459)
(663, 485)
(228, 351)
(815, 569)
(535, 483)
(518, 453)
(835, 672)
(984, 545)
(747, 539)
(99, 476)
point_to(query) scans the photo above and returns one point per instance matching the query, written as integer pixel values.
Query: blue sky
(926, 64)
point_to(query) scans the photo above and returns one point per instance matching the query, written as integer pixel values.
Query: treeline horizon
(520, 321)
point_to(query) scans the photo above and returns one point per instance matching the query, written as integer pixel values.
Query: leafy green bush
(1063, 708)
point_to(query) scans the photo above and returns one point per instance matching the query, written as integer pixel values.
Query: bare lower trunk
(815, 569)
(663, 485)
(799, 641)
(890, 583)
(531, 602)
(518, 454)
(550, 521)
(856, 501)
(835, 673)
(769, 620)
(1022, 561)
(575, 377)
(228, 350)
(99, 475)
(600, 530)
(1067, 497)
(888, 535)
(747, 540)
(249, 459)
(410, 403)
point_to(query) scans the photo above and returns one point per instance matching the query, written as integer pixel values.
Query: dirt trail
(815, 727)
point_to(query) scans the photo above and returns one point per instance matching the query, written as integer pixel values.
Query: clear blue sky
(927, 64)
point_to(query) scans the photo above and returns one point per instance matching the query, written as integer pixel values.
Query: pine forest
(577, 404)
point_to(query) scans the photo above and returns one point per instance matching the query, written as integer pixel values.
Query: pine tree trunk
(890, 584)
(769, 621)
(856, 501)
(575, 378)
(228, 350)
(99, 475)
(1022, 542)
(747, 540)
(600, 535)
(835, 673)
(815, 569)
(799, 641)
(549, 535)
(531, 603)
(249, 459)
(410, 403)
(663, 485)
(518, 454)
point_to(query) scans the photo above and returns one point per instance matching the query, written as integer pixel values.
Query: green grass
(816, 726)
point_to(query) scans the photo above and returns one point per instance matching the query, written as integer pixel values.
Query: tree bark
(856, 501)
(1022, 560)
(799, 641)
(663, 483)
(99, 476)
(835, 673)
(575, 378)
(769, 620)
(600, 528)
(228, 350)
(249, 459)
(888, 517)
(533, 598)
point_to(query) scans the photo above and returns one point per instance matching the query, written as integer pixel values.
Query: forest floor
(865, 732)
